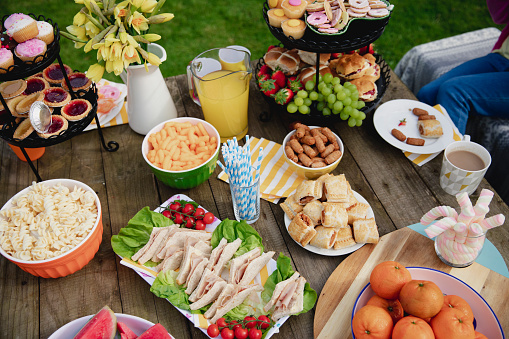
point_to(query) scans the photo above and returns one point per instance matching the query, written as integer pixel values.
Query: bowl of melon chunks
(106, 324)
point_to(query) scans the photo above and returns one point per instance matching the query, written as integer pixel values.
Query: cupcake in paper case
(6, 60)
(45, 32)
(21, 27)
(30, 50)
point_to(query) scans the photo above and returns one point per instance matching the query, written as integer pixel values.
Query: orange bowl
(72, 260)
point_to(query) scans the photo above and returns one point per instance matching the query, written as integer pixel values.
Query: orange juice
(224, 97)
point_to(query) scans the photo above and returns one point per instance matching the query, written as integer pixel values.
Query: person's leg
(486, 64)
(484, 94)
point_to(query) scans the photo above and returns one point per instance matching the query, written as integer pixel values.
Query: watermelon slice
(103, 325)
(125, 331)
(155, 332)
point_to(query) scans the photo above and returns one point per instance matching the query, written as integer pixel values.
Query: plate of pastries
(327, 217)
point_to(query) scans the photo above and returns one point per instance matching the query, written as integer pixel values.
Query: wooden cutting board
(335, 304)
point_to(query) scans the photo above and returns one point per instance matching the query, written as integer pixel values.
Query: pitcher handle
(192, 89)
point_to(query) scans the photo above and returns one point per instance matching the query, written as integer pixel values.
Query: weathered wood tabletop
(398, 191)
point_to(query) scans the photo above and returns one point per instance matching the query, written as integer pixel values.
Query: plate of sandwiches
(325, 216)
(211, 276)
(413, 126)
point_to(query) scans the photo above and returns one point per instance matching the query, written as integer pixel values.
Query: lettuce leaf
(231, 230)
(165, 286)
(284, 271)
(135, 235)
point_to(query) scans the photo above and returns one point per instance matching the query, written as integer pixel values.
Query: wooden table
(30, 307)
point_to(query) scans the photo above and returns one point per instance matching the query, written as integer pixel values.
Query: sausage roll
(357, 211)
(291, 207)
(301, 229)
(336, 189)
(325, 237)
(365, 231)
(344, 238)
(430, 128)
(334, 215)
(314, 211)
(307, 192)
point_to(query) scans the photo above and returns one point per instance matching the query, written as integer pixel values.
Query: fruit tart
(54, 74)
(13, 103)
(76, 109)
(56, 97)
(23, 130)
(24, 105)
(35, 84)
(57, 126)
(11, 89)
(79, 81)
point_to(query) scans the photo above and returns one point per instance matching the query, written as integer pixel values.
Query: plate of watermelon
(106, 324)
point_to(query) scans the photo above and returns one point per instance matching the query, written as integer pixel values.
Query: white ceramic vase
(148, 99)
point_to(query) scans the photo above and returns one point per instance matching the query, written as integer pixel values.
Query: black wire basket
(315, 116)
(359, 33)
(22, 69)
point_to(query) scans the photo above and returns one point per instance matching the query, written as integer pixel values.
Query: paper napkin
(278, 180)
(421, 159)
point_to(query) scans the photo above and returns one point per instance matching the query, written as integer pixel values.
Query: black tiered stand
(360, 33)
(22, 70)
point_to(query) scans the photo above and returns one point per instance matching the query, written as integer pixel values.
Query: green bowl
(188, 178)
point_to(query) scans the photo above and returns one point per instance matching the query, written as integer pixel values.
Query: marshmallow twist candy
(481, 206)
(492, 222)
(437, 212)
(440, 226)
(461, 231)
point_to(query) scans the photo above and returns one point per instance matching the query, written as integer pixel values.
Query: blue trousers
(479, 86)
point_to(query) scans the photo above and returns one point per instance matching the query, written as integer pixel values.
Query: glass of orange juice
(221, 86)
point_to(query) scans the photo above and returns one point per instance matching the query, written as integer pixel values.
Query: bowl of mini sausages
(312, 151)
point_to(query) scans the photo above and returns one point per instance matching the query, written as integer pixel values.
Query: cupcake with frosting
(6, 60)
(45, 32)
(21, 27)
(31, 49)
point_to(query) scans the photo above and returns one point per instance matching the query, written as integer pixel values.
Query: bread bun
(310, 57)
(352, 66)
(286, 60)
(308, 73)
(366, 87)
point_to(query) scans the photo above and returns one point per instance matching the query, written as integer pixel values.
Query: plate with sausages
(413, 126)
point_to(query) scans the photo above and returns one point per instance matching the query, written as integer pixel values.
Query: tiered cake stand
(21, 70)
(359, 33)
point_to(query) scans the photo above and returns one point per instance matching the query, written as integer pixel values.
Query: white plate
(342, 251)
(69, 330)
(485, 320)
(388, 116)
(105, 118)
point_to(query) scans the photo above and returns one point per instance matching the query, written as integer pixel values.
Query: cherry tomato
(178, 218)
(188, 209)
(221, 322)
(250, 321)
(255, 333)
(264, 322)
(175, 206)
(198, 214)
(226, 333)
(241, 333)
(208, 218)
(190, 222)
(200, 225)
(213, 331)
(167, 213)
(236, 324)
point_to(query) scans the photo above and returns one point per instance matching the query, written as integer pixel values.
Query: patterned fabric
(424, 63)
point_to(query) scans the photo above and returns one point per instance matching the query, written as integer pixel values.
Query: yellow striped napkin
(421, 159)
(277, 179)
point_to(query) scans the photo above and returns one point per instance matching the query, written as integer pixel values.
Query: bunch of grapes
(332, 98)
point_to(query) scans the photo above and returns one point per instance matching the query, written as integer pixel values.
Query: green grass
(200, 25)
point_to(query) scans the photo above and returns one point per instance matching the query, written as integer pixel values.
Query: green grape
(326, 111)
(298, 101)
(310, 85)
(336, 81)
(326, 91)
(344, 116)
(355, 114)
(341, 95)
(327, 78)
(355, 93)
(335, 112)
(354, 103)
(338, 106)
(308, 102)
(304, 109)
(313, 95)
(320, 79)
(347, 101)
(348, 110)
(331, 98)
(320, 97)
(302, 94)
(351, 121)
(330, 105)
(338, 88)
(321, 86)
(362, 115)
(349, 85)
(347, 91)
(292, 108)
(360, 104)
(358, 123)
(320, 106)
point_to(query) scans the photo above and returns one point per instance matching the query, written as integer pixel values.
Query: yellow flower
(160, 18)
(131, 41)
(79, 2)
(120, 12)
(137, 3)
(138, 22)
(153, 59)
(148, 6)
(79, 19)
(151, 37)
(130, 55)
(95, 72)
(79, 32)
(92, 30)
(103, 53)
(110, 39)
(115, 51)
(116, 66)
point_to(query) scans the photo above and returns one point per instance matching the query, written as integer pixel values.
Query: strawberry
(283, 96)
(269, 87)
(280, 77)
(270, 47)
(262, 78)
(371, 49)
(294, 84)
(402, 122)
(263, 70)
(335, 55)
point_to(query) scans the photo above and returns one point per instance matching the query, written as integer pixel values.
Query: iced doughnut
(109, 92)
(104, 106)
(317, 18)
(378, 12)
(355, 14)
(358, 3)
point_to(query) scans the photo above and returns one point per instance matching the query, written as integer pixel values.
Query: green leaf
(165, 286)
(231, 230)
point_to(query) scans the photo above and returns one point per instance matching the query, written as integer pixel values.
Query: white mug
(454, 179)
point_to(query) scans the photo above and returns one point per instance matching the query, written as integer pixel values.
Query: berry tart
(54, 75)
(57, 126)
(56, 97)
(79, 81)
(24, 105)
(35, 84)
(11, 89)
(76, 109)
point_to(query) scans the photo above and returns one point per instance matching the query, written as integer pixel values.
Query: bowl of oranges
(417, 302)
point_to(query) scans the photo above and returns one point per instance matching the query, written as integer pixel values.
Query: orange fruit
(421, 298)
(387, 279)
(393, 306)
(480, 336)
(372, 322)
(451, 323)
(454, 301)
(411, 327)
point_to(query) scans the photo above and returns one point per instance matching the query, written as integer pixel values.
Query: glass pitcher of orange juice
(218, 80)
